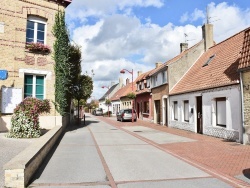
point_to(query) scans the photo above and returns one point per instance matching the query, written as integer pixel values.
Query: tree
(83, 89)
(61, 67)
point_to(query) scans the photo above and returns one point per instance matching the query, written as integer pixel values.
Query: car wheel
(135, 120)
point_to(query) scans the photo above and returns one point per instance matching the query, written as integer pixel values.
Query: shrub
(25, 120)
(131, 95)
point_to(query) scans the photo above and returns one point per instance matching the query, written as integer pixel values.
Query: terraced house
(207, 99)
(26, 64)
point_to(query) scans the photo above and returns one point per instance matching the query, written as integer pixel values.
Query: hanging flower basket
(131, 95)
(37, 47)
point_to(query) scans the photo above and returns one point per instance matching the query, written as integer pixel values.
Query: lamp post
(130, 72)
(108, 97)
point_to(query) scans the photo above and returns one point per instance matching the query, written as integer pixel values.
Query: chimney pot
(183, 47)
(127, 81)
(139, 73)
(158, 64)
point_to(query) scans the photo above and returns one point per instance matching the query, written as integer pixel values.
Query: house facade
(207, 99)
(143, 101)
(244, 70)
(108, 95)
(30, 73)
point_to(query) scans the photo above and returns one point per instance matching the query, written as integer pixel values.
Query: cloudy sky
(135, 34)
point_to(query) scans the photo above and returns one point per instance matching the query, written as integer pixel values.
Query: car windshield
(128, 111)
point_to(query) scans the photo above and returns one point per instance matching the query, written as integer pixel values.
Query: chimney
(112, 83)
(158, 64)
(120, 82)
(183, 47)
(127, 81)
(208, 36)
(139, 73)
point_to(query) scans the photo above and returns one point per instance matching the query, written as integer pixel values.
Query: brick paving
(222, 158)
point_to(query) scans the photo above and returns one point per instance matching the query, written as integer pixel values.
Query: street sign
(3, 74)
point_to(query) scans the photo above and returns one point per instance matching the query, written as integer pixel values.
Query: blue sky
(135, 34)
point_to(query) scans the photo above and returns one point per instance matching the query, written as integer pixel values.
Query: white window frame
(221, 117)
(34, 85)
(186, 110)
(36, 20)
(47, 76)
(175, 110)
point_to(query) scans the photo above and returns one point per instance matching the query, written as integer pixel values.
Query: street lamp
(130, 72)
(108, 97)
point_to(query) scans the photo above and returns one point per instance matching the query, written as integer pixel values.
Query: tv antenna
(186, 38)
(209, 17)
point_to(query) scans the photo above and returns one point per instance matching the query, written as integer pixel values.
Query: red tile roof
(245, 52)
(221, 71)
(122, 92)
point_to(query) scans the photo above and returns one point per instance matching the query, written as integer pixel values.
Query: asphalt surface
(101, 155)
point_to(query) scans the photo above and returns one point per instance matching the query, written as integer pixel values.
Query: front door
(166, 111)
(157, 111)
(199, 115)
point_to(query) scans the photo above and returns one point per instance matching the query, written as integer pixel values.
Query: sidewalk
(10, 147)
(223, 158)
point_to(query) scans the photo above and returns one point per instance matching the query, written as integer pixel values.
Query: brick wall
(14, 56)
(246, 101)
(157, 94)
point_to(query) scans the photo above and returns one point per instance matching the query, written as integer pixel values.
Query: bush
(25, 120)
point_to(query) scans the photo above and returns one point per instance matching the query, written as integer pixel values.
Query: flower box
(37, 47)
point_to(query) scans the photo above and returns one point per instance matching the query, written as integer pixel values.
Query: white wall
(233, 112)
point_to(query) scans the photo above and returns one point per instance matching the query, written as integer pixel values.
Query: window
(154, 81)
(142, 85)
(146, 107)
(164, 78)
(34, 86)
(148, 83)
(36, 30)
(221, 111)
(175, 110)
(186, 111)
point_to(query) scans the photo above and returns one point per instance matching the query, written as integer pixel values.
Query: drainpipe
(241, 130)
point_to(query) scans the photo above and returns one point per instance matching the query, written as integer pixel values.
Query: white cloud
(121, 41)
(82, 9)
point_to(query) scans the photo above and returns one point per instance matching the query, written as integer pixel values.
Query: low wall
(20, 169)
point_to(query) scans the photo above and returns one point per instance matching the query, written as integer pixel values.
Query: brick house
(165, 76)
(207, 99)
(244, 70)
(143, 101)
(29, 73)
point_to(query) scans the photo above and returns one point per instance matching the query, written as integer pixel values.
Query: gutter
(241, 130)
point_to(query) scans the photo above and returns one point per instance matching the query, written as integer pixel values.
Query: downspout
(241, 130)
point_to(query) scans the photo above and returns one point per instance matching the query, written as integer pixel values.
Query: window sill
(37, 52)
(145, 113)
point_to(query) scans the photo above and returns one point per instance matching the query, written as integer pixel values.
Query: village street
(107, 153)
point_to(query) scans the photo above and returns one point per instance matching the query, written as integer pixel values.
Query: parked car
(126, 115)
(98, 112)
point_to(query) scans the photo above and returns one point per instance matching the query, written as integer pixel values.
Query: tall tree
(83, 89)
(61, 57)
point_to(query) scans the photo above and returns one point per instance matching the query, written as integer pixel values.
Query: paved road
(101, 155)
